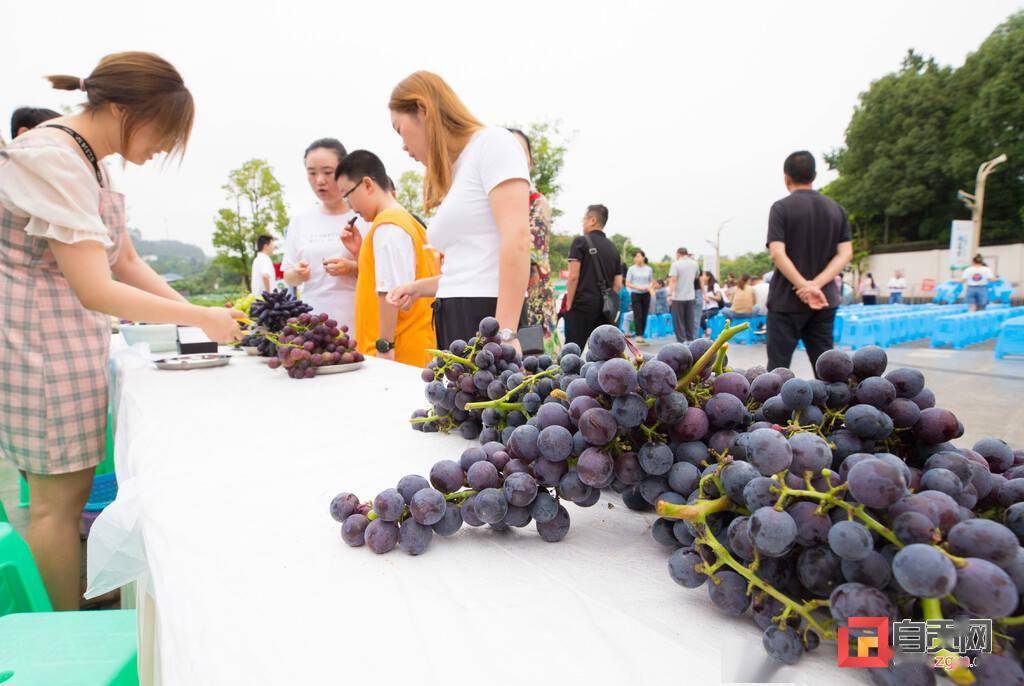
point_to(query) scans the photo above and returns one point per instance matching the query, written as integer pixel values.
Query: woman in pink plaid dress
(62, 239)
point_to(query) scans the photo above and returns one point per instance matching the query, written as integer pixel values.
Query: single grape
(783, 644)
(833, 365)
(730, 593)
(427, 505)
(450, 522)
(873, 570)
(796, 394)
(819, 570)
(985, 539)
(353, 529)
(811, 453)
(490, 505)
(343, 505)
(738, 537)
(693, 426)
(682, 568)
(520, 489)
(868, 422)
(812, 527)
(671, 408)
(772, 532)
(544, 507)
(413, 537)
(389, 505)
(629, 410)
(924, 571)
(936, 425)
(656, 458)
(548, 473)
(760, 492)
(677, 356)
(596, 468)
(657, 378)
(732, 383)
(874, 391)
(914, 527)
(876, 483)
(606, 342)
(907, 382)
(381, 536)
(554, 529)
(598, 426)
(850, 540)
(554, 443)
(523, 443)
(859, 600)
(769, 451)
(726, 411)
(571, 488)
(447, 476)
(628, 469)
(765, 386)
(939, 479)
(996, 452)
(984, 589)
(869, 361)
(735, 476)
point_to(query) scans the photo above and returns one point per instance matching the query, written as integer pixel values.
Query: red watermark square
(872, 650)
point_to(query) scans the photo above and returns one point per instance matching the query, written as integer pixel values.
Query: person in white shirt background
(976, 278)
(897, 284)
(760, 295)
(315, 260)
(263, 274)
(478, 178)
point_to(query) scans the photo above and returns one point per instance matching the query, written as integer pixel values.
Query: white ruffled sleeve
(55, 188)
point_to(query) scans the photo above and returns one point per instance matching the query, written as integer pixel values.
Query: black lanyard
(84, 145)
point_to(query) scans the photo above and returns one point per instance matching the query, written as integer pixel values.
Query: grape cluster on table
(270, 314)
(797, 503)
(311, 341)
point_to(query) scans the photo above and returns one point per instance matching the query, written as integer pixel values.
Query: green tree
(894, 166)
(989, 120)
(410, 194)
(549, 145)
(753, 263)
(258, 209)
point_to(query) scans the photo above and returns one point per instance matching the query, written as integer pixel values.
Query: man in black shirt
(810, 244)
(583, 297)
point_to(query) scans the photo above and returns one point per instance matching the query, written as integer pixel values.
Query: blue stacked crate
(1011, 338)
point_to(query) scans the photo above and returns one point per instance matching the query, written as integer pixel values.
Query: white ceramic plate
(197, 361)
(338, 368)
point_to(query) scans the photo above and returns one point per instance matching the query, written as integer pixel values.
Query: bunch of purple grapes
(804, 502)
(480, 489)
(858, 506)
(270, 313)
(311, 341)
(472, 371)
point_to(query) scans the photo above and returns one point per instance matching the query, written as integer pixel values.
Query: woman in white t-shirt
(315, 260)
(976, 278)
(478, 179)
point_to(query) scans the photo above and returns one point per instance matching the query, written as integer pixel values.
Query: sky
(680, 113)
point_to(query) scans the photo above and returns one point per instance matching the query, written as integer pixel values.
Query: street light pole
(718, 248)
(975, 202)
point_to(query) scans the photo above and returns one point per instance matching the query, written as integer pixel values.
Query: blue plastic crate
(104, 490)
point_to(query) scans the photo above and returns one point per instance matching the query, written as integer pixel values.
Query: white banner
(961, 239)
(710, 263)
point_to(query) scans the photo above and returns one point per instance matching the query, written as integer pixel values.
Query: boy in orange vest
(391, 253)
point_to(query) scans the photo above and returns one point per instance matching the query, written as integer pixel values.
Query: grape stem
(932, 609)
(528, 381)
(709, 355)
(452, 357)
(699, 514)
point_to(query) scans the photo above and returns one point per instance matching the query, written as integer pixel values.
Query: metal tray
(338, 368)
(196, 361)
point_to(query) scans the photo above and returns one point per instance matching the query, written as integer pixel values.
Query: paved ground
(985, 394)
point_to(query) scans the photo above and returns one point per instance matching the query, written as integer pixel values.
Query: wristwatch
(384, 346)
(506, 335)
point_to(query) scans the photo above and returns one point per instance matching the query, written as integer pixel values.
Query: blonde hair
(449, 125)
(149, 89)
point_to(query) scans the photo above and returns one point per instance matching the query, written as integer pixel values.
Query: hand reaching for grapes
(220, 325)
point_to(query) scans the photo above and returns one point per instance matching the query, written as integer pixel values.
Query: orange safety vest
(414, 332)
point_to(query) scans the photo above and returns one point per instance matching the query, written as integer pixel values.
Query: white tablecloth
(226, 475)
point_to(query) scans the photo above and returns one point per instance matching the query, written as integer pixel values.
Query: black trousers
(814, 328)
(459, 318)
(869, 299)
(641, 304)
(579, 325)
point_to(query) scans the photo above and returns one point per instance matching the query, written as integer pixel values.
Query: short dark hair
(682, 251)
(529, 146)
(600, 213)
(329, 144)
(799, 167)
(30, 118)
(391, 185)
(263, 241)
(360, 163)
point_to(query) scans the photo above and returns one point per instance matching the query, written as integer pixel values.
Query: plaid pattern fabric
(53, 353)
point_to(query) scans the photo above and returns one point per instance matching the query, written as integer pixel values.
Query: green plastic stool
(21, 587)
(104, 467)
(3, 514)
(95, 648)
